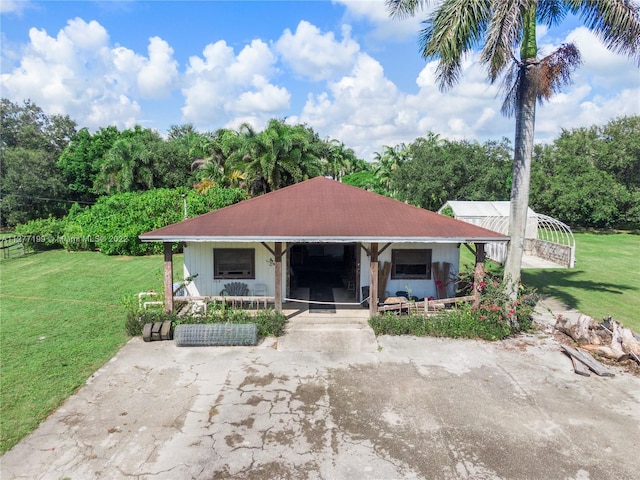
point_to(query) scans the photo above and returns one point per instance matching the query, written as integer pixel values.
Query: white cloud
(384, 27)
(220, 86)
(316, 55)
(78, 73)
(159, 72)
(14, 6)
(367, 111)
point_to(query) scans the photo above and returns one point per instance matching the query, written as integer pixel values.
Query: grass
(605, 281)
(61, 318)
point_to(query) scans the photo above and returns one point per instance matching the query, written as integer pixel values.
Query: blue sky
(343, 68)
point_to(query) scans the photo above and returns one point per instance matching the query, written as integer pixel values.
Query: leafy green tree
(589, 177)
(505, 30)
(435, 171)
(218, 154)
(81, 161)
(30, 142)
(364, 179)
(31, 186)
(337, 160)
(386, 163)
(140, 159)
(619, 150)
(27, 126)
(128, 165)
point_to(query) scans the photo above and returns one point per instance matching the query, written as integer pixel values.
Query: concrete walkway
(415, 408)
(347, 330)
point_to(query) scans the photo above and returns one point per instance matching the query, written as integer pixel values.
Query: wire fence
(14, 246)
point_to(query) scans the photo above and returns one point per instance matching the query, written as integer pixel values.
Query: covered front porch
(365, 290)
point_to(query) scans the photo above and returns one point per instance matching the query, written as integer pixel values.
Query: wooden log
(606, 351)
(582, 356)
(579, 328)
(623, 339)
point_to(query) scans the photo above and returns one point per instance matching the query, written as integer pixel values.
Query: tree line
(587, 177)
(48, 163)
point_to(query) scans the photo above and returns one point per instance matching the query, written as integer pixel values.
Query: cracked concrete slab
(414, 408)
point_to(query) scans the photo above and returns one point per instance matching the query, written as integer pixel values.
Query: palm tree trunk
(523, 152)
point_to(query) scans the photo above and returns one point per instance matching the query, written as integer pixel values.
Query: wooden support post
(278, 274)
(168, 277)
(373, 281)
(478, 273)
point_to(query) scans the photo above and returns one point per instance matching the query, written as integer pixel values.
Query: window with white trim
(234, 263)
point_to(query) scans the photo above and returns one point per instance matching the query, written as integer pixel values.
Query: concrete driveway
(414, 408)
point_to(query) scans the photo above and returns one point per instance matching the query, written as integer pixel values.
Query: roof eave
(321, 239)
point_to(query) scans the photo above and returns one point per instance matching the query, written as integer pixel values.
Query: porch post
(168, 276)
(278, 274)
(478, 273)
(373, 281)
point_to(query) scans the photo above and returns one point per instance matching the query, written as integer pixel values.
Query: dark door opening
(322, 268)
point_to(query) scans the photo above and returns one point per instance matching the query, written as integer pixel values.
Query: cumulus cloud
(341, 74)
(317, 55)
(220, 86)
(366, 110)
(78, 73)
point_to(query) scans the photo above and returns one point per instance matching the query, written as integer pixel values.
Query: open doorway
(326, 270)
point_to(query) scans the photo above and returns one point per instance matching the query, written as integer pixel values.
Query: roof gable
(321, 209)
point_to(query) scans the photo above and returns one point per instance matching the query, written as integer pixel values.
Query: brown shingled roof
(324, 210)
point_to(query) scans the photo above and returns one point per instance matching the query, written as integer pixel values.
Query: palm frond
(405, 8)
(615, 22)
(503, 36)
(551, 12)
(454, 28)
(509, 86)
(552, 73)
(556, 69)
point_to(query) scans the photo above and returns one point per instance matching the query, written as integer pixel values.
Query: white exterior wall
(440, 252)
(198, 258)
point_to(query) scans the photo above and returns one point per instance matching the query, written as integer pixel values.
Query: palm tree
(129, 164)
(505, 30)
(337, 159)
(278, 156)
(385, 164)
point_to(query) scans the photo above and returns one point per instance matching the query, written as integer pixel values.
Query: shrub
(114, 222)
(42, 233)
(270, 323)
(491, 319)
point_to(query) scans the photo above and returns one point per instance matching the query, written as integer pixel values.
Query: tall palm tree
(505, 31)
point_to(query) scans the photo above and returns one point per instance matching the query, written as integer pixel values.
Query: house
(316, 232)
(546, 238)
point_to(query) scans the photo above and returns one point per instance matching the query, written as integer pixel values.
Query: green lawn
(61, 318)
(605, 281)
